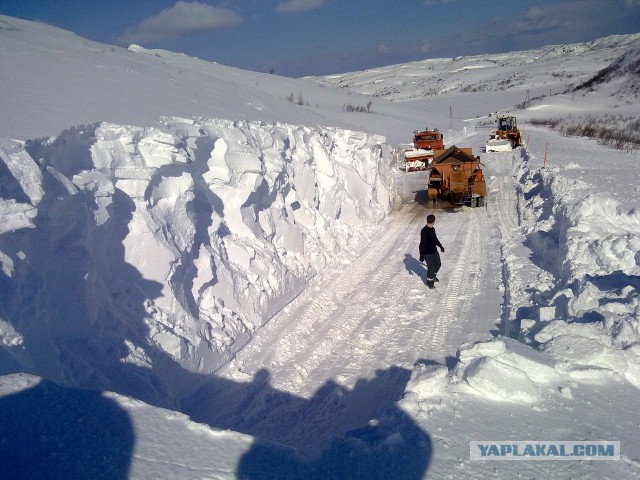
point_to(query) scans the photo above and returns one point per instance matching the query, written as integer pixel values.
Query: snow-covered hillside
(624, 70)
(224, 282)
(53, 80)
(495, 82)
(550, 68)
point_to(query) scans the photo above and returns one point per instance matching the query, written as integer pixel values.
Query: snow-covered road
(368, 322)
(375, 312)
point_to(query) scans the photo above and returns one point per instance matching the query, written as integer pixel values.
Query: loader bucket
(499, 145)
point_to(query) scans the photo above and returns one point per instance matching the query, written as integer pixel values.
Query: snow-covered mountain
(538, 71)
(54, 80)
(165, 218)
(497, 82)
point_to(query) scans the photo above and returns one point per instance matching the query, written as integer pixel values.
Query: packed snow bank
(158, 249)
(590, 352)
(507, 370)
(590, 244)
(588, 233)
(601, 238)
(502, 369)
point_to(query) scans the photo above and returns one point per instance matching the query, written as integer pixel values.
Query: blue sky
(316, 37)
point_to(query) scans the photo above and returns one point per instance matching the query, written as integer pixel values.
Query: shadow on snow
(50, 431)
(337, 433)
(81, 310)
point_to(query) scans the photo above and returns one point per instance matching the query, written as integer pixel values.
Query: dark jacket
(428, 241)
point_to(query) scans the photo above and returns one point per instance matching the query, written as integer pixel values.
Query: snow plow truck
(506, 137)
(456, 178)
(425, 142)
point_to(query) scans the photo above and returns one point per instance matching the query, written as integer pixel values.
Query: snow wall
(134, 259)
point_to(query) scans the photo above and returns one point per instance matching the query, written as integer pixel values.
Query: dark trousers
(433, 265)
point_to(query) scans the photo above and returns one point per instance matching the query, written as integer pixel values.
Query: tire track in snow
(361, 342)
(349, 343)
(444, 307)
(354, 335)
(512, 239)
(365, 327)
(504, 204)
(383, 321)
(464, 280)
(365, 315)
(325, 322)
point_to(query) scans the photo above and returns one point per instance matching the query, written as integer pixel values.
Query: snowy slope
(52, 80)
(191, 218)
(549, 67)
(624, 70)
(477, 85)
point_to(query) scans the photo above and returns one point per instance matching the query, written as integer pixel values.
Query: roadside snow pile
(151, 250)
(582, 324)
(591, 246)
(502, 370)
(601, 238)
(584, 234)
(593, 352)
(507, 370)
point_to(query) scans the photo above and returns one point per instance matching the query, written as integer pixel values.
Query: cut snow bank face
(129, 254)
(586, 233)
(590, 245)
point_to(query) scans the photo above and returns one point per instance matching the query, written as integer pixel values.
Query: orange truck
(428, 139)
(456, 178)
(425, 142)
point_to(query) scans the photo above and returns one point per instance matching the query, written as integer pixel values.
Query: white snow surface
(225, 283)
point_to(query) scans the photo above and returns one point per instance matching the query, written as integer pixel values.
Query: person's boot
(435, 279)
(431, 284)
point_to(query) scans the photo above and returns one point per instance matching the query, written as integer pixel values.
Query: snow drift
(131, 253)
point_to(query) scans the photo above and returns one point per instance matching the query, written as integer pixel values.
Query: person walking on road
(429, 251)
